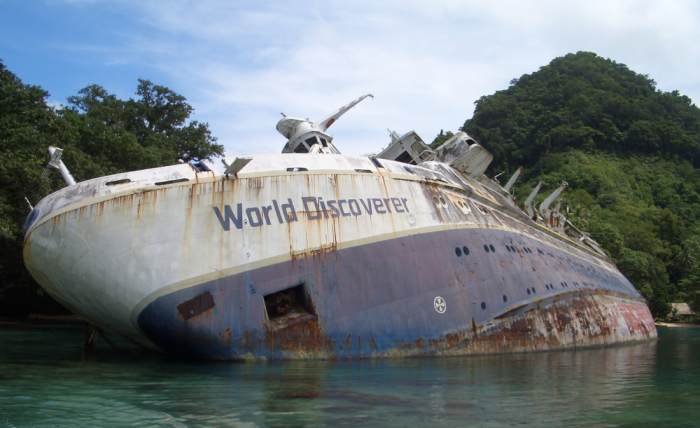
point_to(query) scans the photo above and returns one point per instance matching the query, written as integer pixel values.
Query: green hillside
(629, 152)
(101, 134)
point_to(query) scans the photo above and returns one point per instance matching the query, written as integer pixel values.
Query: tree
(629, 152)
(101, 134)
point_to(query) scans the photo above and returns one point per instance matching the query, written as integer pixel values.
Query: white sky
(242, 63)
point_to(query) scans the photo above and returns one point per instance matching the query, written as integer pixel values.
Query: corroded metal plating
(153, 262)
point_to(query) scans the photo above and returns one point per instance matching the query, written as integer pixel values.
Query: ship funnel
(305, 136)
(55, 162)
(530, 198)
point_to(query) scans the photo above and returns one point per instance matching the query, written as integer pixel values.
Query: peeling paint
(154, 263)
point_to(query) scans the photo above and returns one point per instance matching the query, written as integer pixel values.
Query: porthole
(458, 252)
(486, 248)
(493, 250)
(483, 305)
(465, 250)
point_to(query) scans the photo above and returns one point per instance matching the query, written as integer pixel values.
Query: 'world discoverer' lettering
(313, 207)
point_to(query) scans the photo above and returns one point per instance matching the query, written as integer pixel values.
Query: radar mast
(305, 136)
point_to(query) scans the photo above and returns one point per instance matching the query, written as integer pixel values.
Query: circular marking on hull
(439, 304)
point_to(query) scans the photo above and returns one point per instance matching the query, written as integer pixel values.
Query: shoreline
(676, 324)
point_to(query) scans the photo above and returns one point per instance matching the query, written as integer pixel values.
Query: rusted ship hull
(293, 259)
(379, 300)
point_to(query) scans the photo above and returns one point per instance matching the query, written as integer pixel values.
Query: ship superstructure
(314, 254)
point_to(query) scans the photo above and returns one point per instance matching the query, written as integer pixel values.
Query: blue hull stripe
(375, 297)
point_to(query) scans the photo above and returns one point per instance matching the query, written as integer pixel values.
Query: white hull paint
(108, 251)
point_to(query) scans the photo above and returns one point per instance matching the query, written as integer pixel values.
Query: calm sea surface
(44, 381)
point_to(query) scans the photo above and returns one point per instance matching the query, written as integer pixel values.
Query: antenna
(55, 162)
(303, 134)
(326, 123)
(393, 135)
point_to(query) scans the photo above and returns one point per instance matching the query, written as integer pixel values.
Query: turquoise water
(44, 381)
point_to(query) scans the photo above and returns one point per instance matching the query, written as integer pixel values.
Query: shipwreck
(314, 254)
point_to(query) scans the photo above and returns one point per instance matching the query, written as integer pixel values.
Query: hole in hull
(288, 307)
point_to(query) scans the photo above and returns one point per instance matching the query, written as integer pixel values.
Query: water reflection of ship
(590, 384)
(312, 254)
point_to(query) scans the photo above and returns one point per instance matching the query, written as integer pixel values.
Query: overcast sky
(242, 63)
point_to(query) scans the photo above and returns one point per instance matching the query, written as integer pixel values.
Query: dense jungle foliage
(101, 134)
(629, 152)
